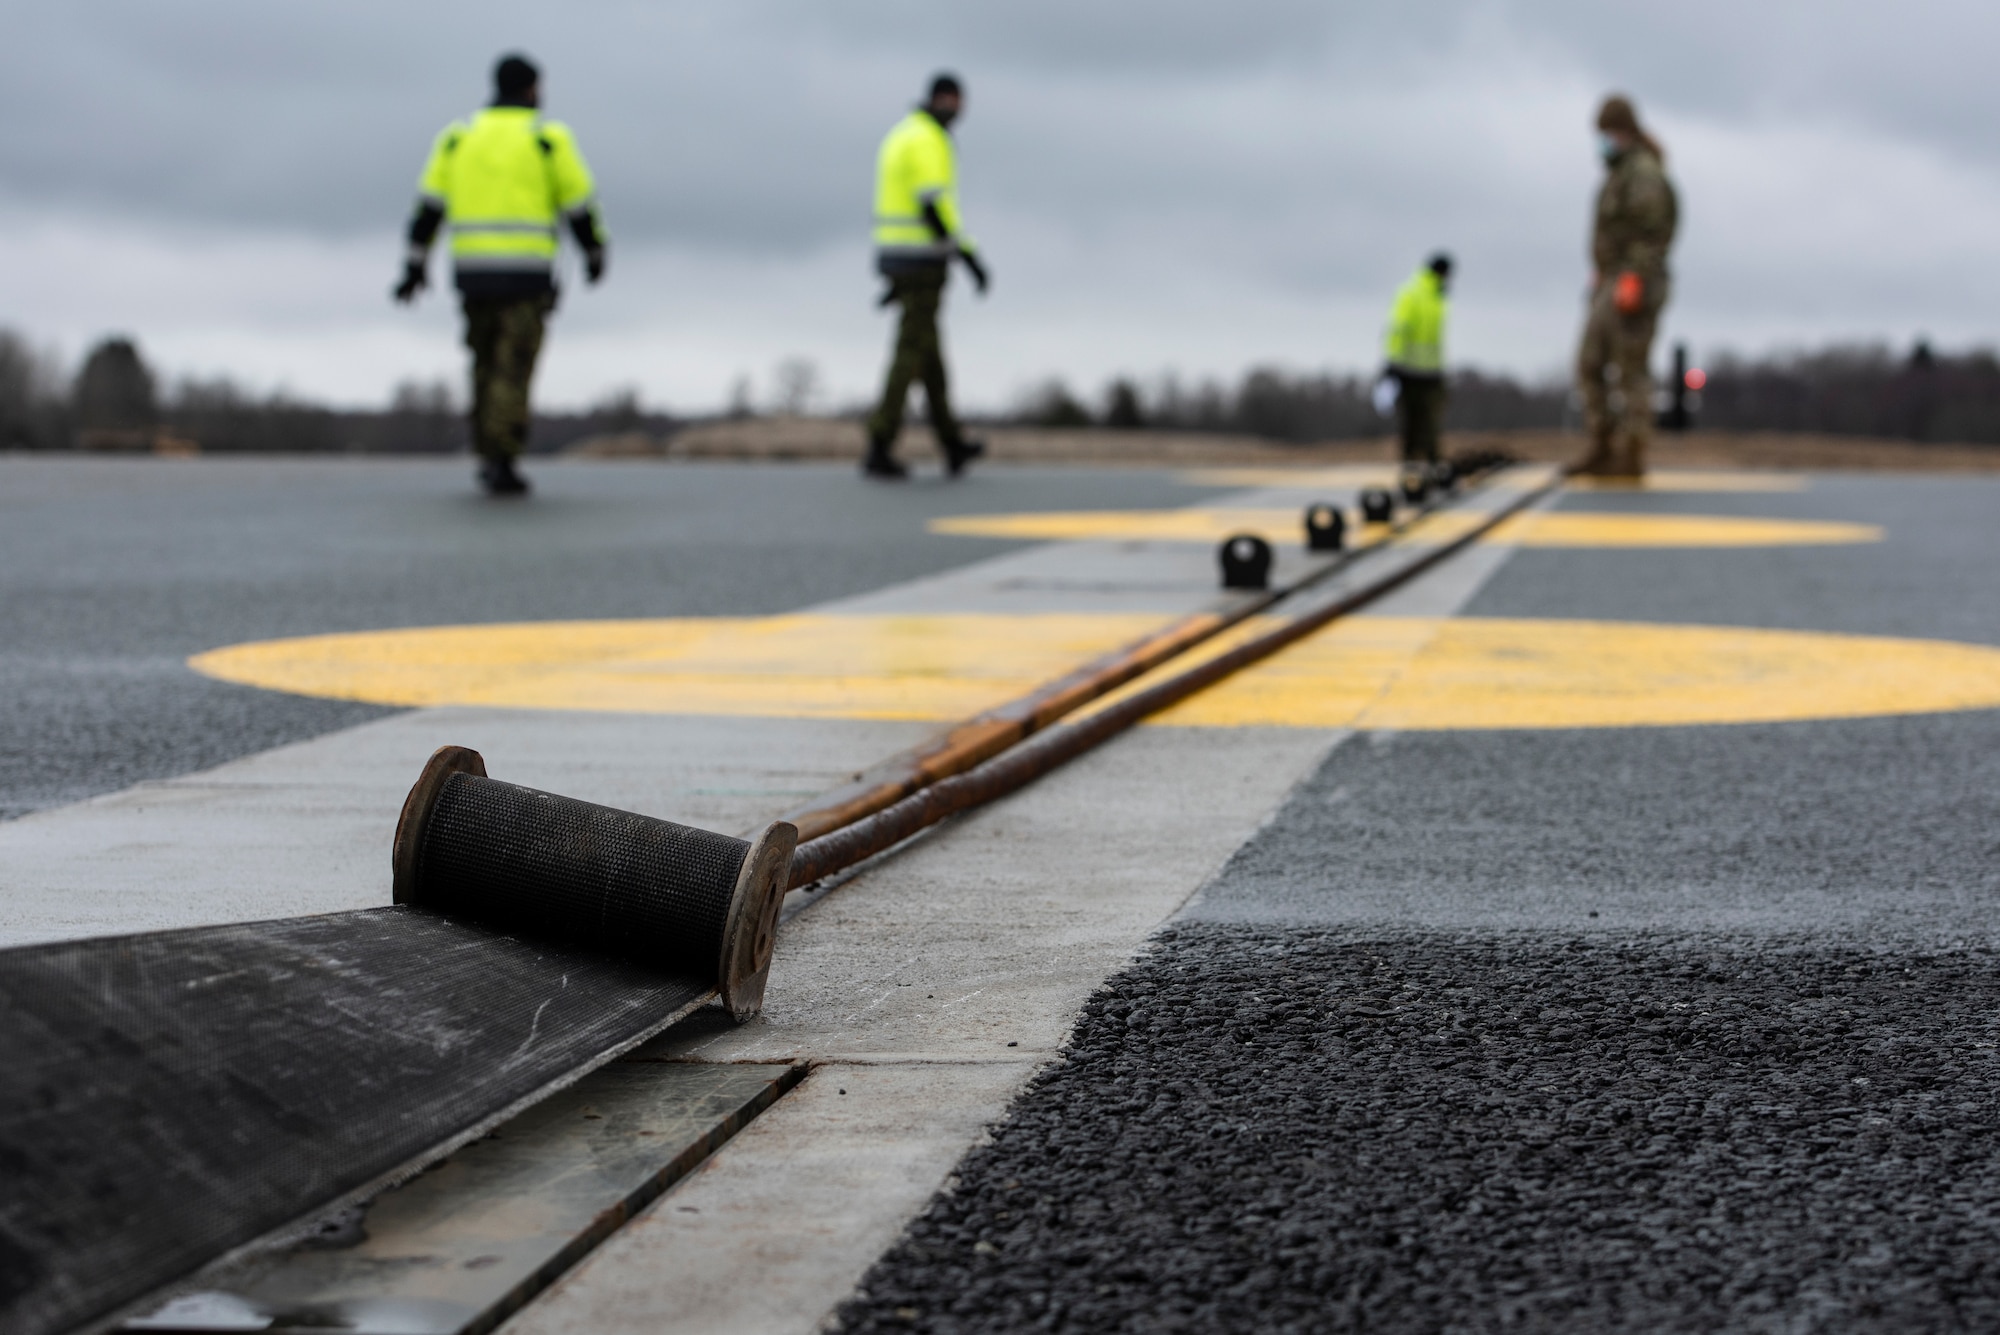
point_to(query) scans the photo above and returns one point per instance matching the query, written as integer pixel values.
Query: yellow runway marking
(1337, 477)
(1384, 672)
(1192, 525)
(1694, 480)
(1369, 672)
(1560, 529)
(1566, 528)
(1342, 476)
(804, 666)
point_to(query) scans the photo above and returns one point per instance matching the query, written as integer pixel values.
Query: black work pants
(1420, 416)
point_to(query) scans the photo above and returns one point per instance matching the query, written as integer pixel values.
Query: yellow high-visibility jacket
(916, 165)
(504, 180)
(1414, 340)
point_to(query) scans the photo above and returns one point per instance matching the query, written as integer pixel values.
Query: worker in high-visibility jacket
(1414, 347)
(503, 181)
(918, 234)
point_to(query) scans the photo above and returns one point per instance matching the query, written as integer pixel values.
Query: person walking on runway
(918, 233)
(1414, 348)
(1636, 215)
(502, 181)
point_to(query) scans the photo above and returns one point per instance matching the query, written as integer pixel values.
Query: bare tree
(795, 386)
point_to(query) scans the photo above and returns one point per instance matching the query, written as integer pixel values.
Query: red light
(1696, 378)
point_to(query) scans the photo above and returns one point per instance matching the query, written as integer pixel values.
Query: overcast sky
(1167, 185)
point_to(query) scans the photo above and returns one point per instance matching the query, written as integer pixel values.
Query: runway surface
(114, 570)
(1577, 1029)
(1597, 933)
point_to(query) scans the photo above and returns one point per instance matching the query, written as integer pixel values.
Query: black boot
(882, 464)
(500, 479)
(958, 454)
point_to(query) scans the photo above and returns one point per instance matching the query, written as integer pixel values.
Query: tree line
(1866, 390)
(115, 401)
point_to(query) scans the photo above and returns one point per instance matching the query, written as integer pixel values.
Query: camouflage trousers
(505, 335)
(919, 356)
(1614, 374)
(1420, 416)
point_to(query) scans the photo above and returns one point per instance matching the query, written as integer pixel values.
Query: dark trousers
(919, 355)
(1420, 416)
(505, 335)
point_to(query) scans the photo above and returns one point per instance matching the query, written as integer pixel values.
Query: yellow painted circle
(1691, 479)
(1372, 672)
(1478, 673)
(1341, 476)
(801, 666)
(1559, 529)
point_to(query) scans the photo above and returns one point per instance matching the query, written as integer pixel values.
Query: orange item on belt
(1629, 293)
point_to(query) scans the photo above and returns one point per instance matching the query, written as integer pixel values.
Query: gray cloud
(744, 125)
(1230, 170)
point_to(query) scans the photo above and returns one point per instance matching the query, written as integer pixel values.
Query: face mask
(1608, 148)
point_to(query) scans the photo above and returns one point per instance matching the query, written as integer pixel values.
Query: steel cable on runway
(1036, 756)
(991, 732)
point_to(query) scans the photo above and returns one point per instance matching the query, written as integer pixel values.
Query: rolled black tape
(540, 865)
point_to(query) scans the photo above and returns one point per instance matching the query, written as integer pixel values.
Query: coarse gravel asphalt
(114, 570)
(1260, 1129)
(1626, 1028)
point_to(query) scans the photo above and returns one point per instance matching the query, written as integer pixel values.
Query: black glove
(414, 281)
(977, 269)
(593, 263)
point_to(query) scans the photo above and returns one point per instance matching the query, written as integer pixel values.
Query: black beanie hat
(515, 75)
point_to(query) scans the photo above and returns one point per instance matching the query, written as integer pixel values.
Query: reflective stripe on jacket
(1415, 337)
(916, 165)
(505, 179)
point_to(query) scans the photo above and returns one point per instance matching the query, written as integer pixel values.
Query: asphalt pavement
(114, 570)
(1663, 1028)
(1632, 1028)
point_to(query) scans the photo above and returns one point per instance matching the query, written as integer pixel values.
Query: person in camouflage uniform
(1636, 215)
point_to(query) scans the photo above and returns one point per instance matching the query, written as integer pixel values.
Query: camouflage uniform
(1636, 214)
(505, 335)
(919, 355)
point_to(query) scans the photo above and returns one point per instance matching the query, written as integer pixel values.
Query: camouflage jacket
(1636, 213)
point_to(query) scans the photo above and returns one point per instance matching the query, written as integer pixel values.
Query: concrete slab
(832, 1173)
